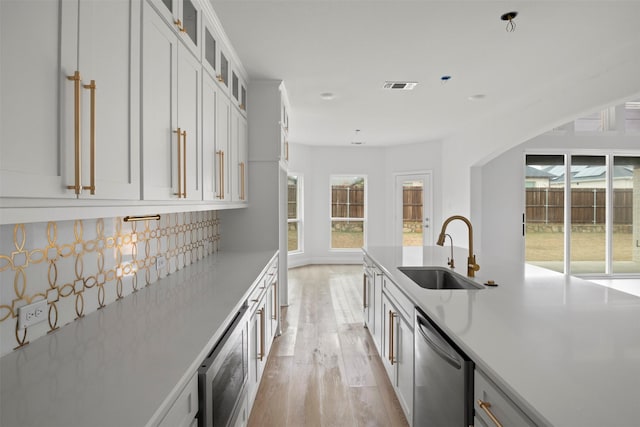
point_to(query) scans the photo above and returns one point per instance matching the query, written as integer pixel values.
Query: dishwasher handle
(437, 342)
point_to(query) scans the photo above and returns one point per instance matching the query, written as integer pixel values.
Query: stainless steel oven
(222, 377)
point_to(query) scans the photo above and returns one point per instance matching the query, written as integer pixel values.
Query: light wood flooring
(324, 370)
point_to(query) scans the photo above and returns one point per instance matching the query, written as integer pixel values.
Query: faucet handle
(450, 262)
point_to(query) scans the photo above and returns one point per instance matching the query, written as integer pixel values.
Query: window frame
(299, 211)
(365, 209)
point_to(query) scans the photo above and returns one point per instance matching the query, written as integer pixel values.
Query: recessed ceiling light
(327, 96)
(477, 97)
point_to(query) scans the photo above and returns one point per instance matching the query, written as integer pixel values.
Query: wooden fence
(546, 205)
(348, 202)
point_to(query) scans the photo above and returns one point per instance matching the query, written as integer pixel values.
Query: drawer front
(500, 406)
(403, 303)
(184, 409)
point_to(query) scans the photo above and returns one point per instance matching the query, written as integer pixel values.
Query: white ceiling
(351, 47)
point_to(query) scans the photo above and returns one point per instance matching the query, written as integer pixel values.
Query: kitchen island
(125, 364)
(567, 351)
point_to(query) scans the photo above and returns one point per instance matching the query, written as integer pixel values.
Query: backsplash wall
(81, 266)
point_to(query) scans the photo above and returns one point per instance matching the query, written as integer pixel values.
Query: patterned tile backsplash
(81, 266)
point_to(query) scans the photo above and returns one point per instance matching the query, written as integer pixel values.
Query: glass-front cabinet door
(184, 17)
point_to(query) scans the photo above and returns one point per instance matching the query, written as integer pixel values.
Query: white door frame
(427, 210)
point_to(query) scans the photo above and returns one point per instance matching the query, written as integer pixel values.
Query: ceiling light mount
(510, 16)
(356, 140)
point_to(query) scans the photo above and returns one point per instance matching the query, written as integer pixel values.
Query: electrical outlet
(31, 314)
(161, 263)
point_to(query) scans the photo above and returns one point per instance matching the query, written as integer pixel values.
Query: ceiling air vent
(399, 85)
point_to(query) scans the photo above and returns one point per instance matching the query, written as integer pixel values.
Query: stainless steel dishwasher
(444, 379)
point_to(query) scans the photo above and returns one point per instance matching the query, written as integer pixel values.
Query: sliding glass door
(544, 215)
(583, 213)
(626, 215)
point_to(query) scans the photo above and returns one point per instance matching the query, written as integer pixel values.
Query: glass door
(544, 211)
(625, 247)
(414, 210)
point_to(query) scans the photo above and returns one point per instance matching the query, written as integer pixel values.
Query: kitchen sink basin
(438, 278)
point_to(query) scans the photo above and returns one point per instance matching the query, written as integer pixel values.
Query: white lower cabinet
(397, 354)
(263, 326)
(492, 406)
(185, 408)
(372, 301)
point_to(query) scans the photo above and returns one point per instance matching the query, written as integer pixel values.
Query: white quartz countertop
(119, 365)
(566, 349)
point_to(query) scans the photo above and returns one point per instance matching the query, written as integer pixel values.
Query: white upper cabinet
(223, 148)
(210, 162)
(69, 113)
(240, 148)
(171, 82)
(284, 126)
(184, 16)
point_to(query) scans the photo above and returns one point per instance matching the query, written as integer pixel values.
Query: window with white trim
(348, 211)
(294, 213)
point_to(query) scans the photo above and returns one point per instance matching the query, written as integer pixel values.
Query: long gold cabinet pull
(274, 316)
(262, 332)
(179, 193)
(241, 171)
(486, 407)
(220, 155)
(77, 187)
(182, 163)
(364, 291)
(392, 356)
(77, 118)
(92, 165)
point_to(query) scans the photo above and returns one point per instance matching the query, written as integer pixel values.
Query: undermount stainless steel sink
(438, 278)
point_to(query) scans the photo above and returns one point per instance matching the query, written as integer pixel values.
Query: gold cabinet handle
(274, 316)
(241, 172)
(286, 149)
(262, 331)
(220, 155)
(184, 164)
(179, 193)
(92, 164)
(220, 78)
(486, 408)
(364, 291)
(222, 168)
(180, 26)
(391, 355)
(77, 146)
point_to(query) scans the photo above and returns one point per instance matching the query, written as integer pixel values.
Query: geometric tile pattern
(83, 265)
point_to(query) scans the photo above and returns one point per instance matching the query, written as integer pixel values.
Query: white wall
(379, 165)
